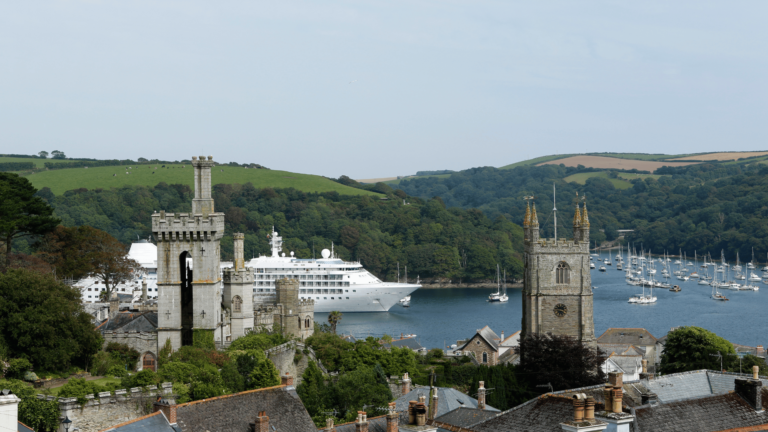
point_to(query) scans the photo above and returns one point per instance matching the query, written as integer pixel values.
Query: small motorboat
(676, 288)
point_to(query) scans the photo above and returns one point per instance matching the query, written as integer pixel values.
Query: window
(307, 322)
(237, 304)
(562, 273)
(485, 357)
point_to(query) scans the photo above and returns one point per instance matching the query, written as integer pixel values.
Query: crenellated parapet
(241, 276)
(169, 227)
(551, 246)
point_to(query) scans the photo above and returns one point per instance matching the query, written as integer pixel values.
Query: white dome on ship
(326, 253)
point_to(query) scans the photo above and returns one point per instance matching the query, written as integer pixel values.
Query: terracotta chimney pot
(755, 372)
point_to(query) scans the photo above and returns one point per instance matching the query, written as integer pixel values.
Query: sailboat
(608, 261)
(503, 298)
(496, 297)
(716, 295)
(644, 299)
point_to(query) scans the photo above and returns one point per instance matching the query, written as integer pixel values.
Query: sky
(381, 88)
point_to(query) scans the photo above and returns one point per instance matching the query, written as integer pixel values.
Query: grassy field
(644, 156)
(581, 178)
(724, 156)
(100, 381)
(38, 162)
(397, 182)
(537, 160)
(630, 176)
(63, 180)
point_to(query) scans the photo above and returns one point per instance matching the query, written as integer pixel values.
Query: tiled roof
(622, 349)
(24, 428)
(509, 356)
(448, 399)
(630, 336)
(511, 340)
(375, 424)
(234, 412)
(464, 417)
(702, 414)
(489, 336)
(406, 343)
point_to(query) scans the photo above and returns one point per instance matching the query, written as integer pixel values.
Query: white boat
(334, 284)
(498, 296)
(592, 265)
(602, 268)
(751, 287)
(406, 301)
(703, 282)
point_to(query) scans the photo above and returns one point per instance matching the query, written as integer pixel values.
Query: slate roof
(155, 422)
(375, 424)
(406, 343)
(132, 321)
(464, 417)
(24, 428)
(702, 414)
(231, 413)
(488, 335)
(448, 399)
(234, 412)
(629, 364)
(509, 356)
(622, 349)
(685, 385)
(628, 336)
(543, 414)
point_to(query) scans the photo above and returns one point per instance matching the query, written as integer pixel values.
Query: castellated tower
(295, 316)
(188, 266)
(238, 292)
(557, 289)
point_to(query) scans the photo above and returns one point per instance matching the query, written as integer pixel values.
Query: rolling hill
(60, 181)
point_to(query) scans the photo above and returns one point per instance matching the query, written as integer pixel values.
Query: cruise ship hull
(369, 298)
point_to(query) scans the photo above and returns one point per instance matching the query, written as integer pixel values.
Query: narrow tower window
(237, 304)
(562, 273)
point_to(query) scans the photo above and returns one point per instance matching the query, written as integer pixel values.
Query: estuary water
(439, 317)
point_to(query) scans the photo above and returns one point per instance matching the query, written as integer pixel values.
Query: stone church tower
(557, 289)
(238, 292)
(188, 266)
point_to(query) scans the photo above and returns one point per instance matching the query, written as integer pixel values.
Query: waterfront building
(557, 285)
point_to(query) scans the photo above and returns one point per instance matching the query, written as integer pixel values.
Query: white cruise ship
(333, 284)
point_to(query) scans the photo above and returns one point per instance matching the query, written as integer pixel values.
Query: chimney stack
(261, 424)
(144, 291)
(420, 411)
(616, 379)
(286, 380)
(648, 398)
(168, 408)
(751, 389)
(114, 305)
(361, 425)
(392, 419)
(329, 425)
(9, 420)
(645, 366)
(578, 407)
(406, 384)
(433, 405)
(481, 396)
(589, 409)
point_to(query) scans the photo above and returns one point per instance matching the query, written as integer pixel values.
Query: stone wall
(143, 342)
(479, 348)
(283, 356)
(108, 409)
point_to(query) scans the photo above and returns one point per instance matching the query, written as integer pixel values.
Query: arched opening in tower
(187, 309)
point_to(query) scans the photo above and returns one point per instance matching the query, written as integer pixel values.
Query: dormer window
(562, 274)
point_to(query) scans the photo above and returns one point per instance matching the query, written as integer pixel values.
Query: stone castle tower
(238, 292)
(188, 266)
(557, 289)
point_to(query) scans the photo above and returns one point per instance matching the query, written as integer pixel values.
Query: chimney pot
(645, 366)
(393, 419)
(589, 413)
(578, 408)
(481, 396)
(755, 372)
(406, 384)
(286, 380)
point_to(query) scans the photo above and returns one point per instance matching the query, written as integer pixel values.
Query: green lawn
(397, 182)
(63, 180)
(100, 381)
(38, 162)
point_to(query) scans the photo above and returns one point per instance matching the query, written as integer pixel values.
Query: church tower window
(562, 274)
(237, 304)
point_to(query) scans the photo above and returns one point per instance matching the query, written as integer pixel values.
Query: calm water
(441, 316)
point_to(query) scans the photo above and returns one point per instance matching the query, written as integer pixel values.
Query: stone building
(188, 266)
(293, 315)
(135, 326)
(557, 288)
(238, 292)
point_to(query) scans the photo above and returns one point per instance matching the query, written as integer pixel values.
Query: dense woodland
(432, 240)
(705, 208)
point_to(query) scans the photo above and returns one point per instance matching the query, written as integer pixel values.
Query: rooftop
(627, 336)
(448, 400)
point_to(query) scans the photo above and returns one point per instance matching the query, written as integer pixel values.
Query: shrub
(123, 353)
(38, 414)
(144, 378)
(79, 388)
(117, 371)
(257, 340)
(17, 368)
(178, 372)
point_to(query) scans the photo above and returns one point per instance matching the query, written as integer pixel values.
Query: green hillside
(60, 181)
(537, 160)
(635, 156)
(397, 182)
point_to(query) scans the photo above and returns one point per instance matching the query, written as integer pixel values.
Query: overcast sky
(381, 88)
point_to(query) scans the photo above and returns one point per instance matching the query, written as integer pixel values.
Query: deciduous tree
(692, 348)
(561, 361)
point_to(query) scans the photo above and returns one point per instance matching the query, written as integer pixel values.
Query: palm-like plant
(333, 318)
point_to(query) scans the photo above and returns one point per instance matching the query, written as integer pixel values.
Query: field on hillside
(38, 162)
(537, 160)
(619, 183)
(63, 180)
(613, 163)
(644, 156)
(723, 156)
(397, 182)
